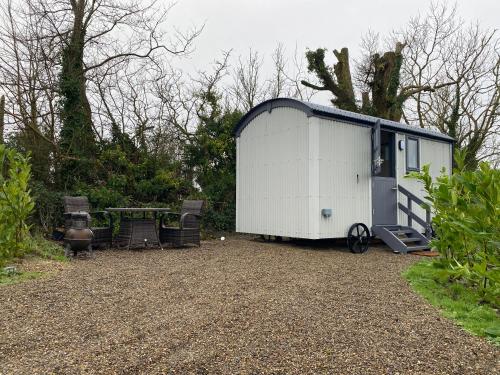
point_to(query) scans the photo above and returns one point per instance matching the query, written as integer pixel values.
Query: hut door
(384, 186)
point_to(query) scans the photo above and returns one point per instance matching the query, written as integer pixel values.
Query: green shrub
(16, 203)
(48, 207)
(211, 157)
(219, 216)
(101, 197)
(466, 207)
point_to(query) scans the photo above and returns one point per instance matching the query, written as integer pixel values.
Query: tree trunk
(78, 143)
(339, 85)
(342, 71)
(385, 102)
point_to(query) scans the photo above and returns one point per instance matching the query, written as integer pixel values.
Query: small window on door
(388, 167)
(412, 155)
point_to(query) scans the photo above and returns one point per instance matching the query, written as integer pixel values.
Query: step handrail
(410, 197)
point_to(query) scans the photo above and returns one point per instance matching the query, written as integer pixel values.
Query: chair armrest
(183, 217)
(99, 212)
(68, 214)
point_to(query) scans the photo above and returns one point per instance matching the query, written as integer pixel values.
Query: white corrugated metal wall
(272, 183)
(291, 166)
(437, 154)
(344, 176)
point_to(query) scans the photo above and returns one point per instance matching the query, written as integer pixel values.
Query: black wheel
(358, 238)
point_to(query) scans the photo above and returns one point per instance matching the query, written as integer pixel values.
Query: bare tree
(295, 75)
(85, 42)
(285, 77)
(425, 38)
(278, 84)
(248, 88)
(364, 69)
(28, 77)
(179, 105)
(441, 47)
(185, 103)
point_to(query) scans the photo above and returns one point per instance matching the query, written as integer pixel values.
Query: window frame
(412, 169)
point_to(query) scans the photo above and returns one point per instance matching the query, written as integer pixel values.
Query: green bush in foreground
(466, 208)
(16, 203)
(458, 301)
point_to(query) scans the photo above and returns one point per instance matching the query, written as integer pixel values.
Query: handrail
(412, 215)
(410, 197)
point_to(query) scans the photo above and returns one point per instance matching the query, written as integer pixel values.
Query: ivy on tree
(77, 143)
(386, 97)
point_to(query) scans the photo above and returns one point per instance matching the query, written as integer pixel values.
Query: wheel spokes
(358, 238)
(357, 245)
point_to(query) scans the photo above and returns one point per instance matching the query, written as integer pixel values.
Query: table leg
(131, 234)
(125, 233)
(156, 230)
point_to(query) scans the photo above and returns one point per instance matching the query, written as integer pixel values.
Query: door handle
(394, 188)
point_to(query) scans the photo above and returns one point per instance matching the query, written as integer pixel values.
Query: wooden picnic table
(137, 232)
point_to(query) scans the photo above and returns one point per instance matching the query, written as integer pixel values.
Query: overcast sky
(262, 24)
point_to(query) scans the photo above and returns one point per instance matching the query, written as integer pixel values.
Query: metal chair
(102, 235)
(188, 231)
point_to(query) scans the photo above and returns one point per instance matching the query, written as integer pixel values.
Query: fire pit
(78, 236)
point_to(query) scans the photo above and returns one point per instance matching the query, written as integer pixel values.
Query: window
(412, 155)
(387, 168)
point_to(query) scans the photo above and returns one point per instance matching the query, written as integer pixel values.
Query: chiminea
(78, 236)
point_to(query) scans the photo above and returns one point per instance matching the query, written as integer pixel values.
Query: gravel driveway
(238, 306)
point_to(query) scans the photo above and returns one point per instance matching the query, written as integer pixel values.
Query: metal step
(419, 247)
(392, 236)
(410, 239)
(392, 227)
(399, 231)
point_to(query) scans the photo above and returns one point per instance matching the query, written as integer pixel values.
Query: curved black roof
(317, 110)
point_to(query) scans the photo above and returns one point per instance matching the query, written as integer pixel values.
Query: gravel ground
(237, 306)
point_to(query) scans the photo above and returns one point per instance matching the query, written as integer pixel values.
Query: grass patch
(457, 301)
(36, 247)
(9, 279)
(43, 248)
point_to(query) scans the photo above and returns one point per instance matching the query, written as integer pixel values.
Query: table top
(138, 209)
